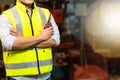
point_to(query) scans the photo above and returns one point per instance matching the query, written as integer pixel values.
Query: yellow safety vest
(30, 61)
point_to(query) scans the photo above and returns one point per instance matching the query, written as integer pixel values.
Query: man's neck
(29, 8)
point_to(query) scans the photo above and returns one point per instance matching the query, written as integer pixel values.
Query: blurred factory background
(90, 39)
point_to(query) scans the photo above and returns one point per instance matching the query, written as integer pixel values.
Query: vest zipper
(34, 47)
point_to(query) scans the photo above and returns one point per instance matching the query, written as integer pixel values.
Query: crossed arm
(12, 39)
(42, 40)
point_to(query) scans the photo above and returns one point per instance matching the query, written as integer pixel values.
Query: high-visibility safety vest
(30, 61)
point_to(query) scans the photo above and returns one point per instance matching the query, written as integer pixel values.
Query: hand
(15, 33)
(47, 25)
(46, 33)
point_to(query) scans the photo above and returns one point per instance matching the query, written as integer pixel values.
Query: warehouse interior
(88, 50)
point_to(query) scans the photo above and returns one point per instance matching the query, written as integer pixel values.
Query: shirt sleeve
(56, 34)
(6, 38)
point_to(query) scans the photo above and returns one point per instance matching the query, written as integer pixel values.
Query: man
(27, 44)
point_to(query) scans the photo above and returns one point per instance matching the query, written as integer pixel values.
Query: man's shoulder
(2, 16)
(44, 9)
(6, 11)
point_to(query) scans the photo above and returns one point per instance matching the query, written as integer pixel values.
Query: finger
(14, 34)
(49, 24)
(51, 27)
(13, 31)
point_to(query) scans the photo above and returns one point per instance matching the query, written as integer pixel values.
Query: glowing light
(102, 27)
(111, 19)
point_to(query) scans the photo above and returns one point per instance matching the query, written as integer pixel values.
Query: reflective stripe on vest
(18, 20)
(42, 15)
(28, 64)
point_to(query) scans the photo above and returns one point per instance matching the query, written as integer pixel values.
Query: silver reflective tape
(21, 65)
(17, 19)
(46, 62)
(42, 15)
(27, 64)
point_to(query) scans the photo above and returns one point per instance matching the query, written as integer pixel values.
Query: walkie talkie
(49, 18)
(48, 24)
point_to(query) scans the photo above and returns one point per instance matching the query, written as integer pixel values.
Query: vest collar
(22, 7)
